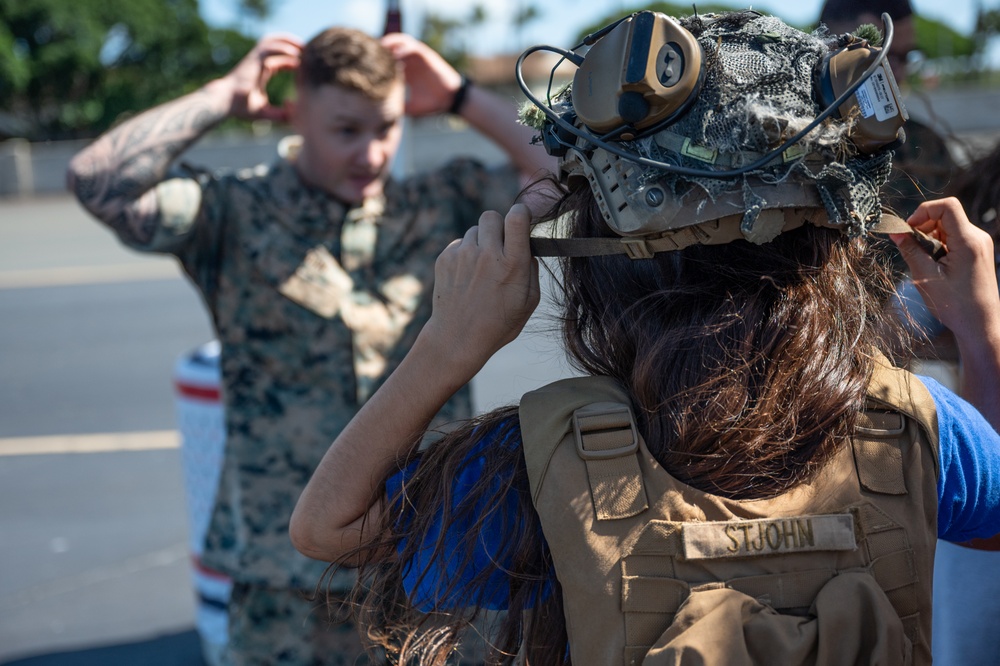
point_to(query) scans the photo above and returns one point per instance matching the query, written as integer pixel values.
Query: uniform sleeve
(178, 199)
(191, 219)
(444, 581)
(969, 483)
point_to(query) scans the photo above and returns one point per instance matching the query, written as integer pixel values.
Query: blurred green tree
(71, 69)
(933, 38)
(443, 34)
(988, 20)
(257, 9)
(525, 14)
(936, 40)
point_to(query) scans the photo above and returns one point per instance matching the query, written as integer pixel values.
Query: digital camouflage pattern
(282, 626)
(314, 305)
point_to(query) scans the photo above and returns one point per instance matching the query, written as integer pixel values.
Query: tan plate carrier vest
(835, 571)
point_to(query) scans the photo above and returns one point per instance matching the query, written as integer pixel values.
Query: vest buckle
(605, 431)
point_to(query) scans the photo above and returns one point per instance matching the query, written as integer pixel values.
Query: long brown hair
(747, 365)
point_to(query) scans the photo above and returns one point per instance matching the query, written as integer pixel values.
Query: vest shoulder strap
(546, 416)
(899, 390)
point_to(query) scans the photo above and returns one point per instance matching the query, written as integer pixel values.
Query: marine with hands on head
(316, 270)
(742, 476)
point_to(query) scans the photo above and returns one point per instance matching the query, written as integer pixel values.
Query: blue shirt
(969, 483)
(968, 507)
(435, 586)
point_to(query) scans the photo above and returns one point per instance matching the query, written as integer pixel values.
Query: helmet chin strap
(893, 224)
(717, 232)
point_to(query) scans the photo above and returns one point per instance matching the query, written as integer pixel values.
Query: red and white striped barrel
(201, 421)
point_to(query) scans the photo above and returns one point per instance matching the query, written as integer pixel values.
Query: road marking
(84, 275)
(150, 440)
(68, 585)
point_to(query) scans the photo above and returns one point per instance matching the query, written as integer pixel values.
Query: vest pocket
(850, 622)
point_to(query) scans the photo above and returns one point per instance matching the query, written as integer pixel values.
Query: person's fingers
(399, 39)
(535, 289)
(927, 219)
(448, 255)
(922, 266)
(399, 44)
(517, 230)
(271, 112)
(946, 220)
(471, 236)
(491, 231)
(280, 62)
(281, 42)
(942, 218)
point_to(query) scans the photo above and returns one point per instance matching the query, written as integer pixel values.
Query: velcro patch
(768, 536)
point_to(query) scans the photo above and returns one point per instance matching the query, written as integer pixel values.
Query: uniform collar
(319, 213)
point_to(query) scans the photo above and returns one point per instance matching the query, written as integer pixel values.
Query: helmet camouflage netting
(758, 89)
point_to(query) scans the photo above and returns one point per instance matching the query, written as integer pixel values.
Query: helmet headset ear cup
(876, 106)
(642, 74)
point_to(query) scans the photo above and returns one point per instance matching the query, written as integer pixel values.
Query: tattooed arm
(114, 178)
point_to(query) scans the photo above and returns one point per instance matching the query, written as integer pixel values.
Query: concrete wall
(40, 168)
(28, 169)
(16, 168)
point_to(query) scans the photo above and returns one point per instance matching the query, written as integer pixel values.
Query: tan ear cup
(638, 75)
(876, 108)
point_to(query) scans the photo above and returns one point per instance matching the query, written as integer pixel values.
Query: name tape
(769, 536)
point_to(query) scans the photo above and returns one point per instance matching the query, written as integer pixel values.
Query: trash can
(202, 427)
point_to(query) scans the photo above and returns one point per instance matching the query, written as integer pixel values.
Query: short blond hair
(350, 59)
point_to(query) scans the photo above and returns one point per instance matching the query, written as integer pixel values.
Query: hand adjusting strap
(893, 224)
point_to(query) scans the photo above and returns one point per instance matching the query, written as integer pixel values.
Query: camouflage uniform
(314, 304)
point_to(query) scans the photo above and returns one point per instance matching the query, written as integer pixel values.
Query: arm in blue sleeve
(969, 484)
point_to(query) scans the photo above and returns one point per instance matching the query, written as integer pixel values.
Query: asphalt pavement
(93, 534)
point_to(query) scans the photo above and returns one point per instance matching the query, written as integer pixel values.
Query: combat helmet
(718, 127)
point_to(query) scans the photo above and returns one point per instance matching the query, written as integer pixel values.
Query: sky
(558, 24)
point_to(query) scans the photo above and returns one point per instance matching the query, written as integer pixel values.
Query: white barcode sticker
(875, 97)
